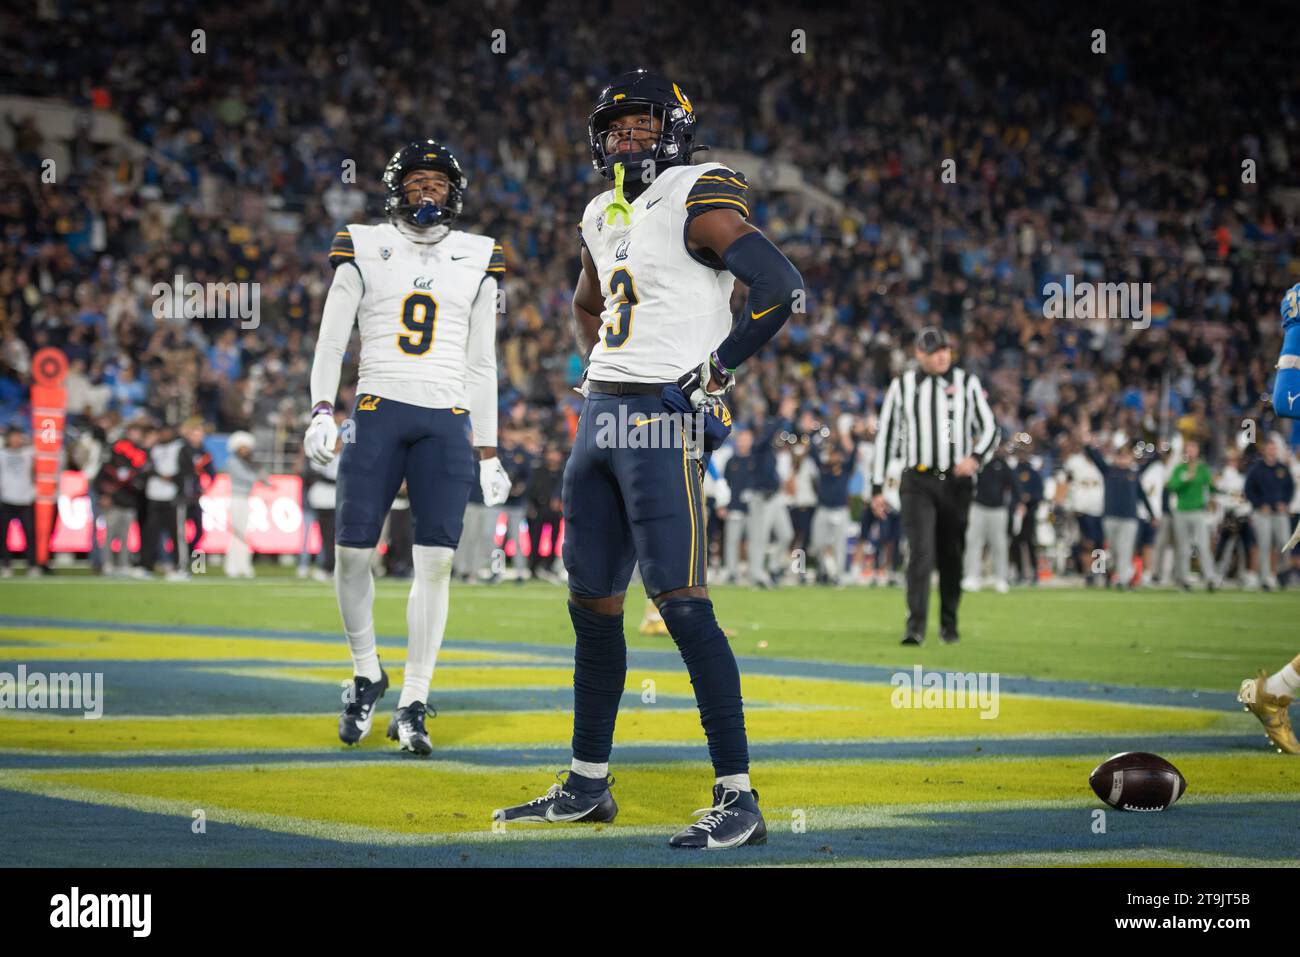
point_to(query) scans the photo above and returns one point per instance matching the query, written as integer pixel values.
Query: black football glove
(695, 384)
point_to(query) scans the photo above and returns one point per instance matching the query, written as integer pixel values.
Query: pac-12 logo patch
(384, 252)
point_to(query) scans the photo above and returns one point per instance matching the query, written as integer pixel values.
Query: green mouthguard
(619, 206)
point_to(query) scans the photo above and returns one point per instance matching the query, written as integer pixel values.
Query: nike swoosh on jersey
(642, 420)
(457, 259)
(652, 202)
(760, 315)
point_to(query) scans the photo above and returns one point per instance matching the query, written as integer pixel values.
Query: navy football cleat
(734, 820)
(407, 728)
(359, 700)
(563, 805)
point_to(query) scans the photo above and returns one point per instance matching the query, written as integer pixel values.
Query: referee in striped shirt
(936, 419)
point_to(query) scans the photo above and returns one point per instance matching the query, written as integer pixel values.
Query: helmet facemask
(668, 144)
(423, 213)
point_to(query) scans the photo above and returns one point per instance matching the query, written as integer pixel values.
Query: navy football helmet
(426, 155)
(635, 92)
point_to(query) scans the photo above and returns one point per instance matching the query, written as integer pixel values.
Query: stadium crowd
(1065, 162)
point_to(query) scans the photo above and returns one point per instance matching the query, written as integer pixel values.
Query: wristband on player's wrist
(719, 371)
(320, 407)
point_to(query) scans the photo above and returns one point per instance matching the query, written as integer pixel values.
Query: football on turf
(1138, 781)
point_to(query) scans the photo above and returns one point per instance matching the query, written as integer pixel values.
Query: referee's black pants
(935, 509)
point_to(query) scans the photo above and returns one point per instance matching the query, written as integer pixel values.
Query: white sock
(589, 769)
(426, 618)
(1286, 683)
(734, 782)
(356, 593)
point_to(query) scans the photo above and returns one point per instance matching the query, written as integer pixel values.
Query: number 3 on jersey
(419, 314)
(617, 330)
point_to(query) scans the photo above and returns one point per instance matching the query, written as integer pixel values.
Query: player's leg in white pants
(782, 535)
(462, 564)
(733, 534)
(839, 543)
(759, 534)
(1126, 530)
(484, 539)
(1281, 532)
(1184, 529)
(1263, 528)
(355, 587)
(976, 534)
(514, 532)
(1160, 549)
(239, 562)
(1111, 530)
(1201, 529)
(1000, 545)
(426, 618)
(819, 539)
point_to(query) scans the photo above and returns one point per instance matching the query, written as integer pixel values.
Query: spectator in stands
(165, 507)
(1235, 542)
(996, 494)
(198, 475)
(1124, 496)
(740, 474)
(545, 511)
(17, 498)
(1190, 487)
(830, 527)
(120, 488)
(244, 477)
(1269, 488)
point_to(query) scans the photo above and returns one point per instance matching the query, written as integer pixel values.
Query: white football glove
(494, 481)
(322, 435)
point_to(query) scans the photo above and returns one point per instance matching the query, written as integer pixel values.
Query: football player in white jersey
(424, 296)
(661, 253)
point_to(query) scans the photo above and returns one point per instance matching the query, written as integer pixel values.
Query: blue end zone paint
(670, 660)
(645, 754)
(43, 831)
(150, 688)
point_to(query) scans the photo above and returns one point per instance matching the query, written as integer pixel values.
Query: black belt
(627, 388)
(929, 470)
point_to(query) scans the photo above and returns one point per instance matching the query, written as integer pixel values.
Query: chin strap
(619, 206)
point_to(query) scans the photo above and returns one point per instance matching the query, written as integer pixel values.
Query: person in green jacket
(1190, 487)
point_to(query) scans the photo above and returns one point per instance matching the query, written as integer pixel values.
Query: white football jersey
(415, 312)
(1153, 480)
(666, 308)
(1087, 494)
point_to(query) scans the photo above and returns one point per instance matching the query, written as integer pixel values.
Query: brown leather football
(1138, 781)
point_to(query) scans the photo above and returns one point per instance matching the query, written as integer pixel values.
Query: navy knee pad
(599, 676)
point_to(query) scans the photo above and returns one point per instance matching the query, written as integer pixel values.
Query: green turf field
(218, 744)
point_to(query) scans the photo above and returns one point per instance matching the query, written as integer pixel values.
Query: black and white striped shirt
(933, 421)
